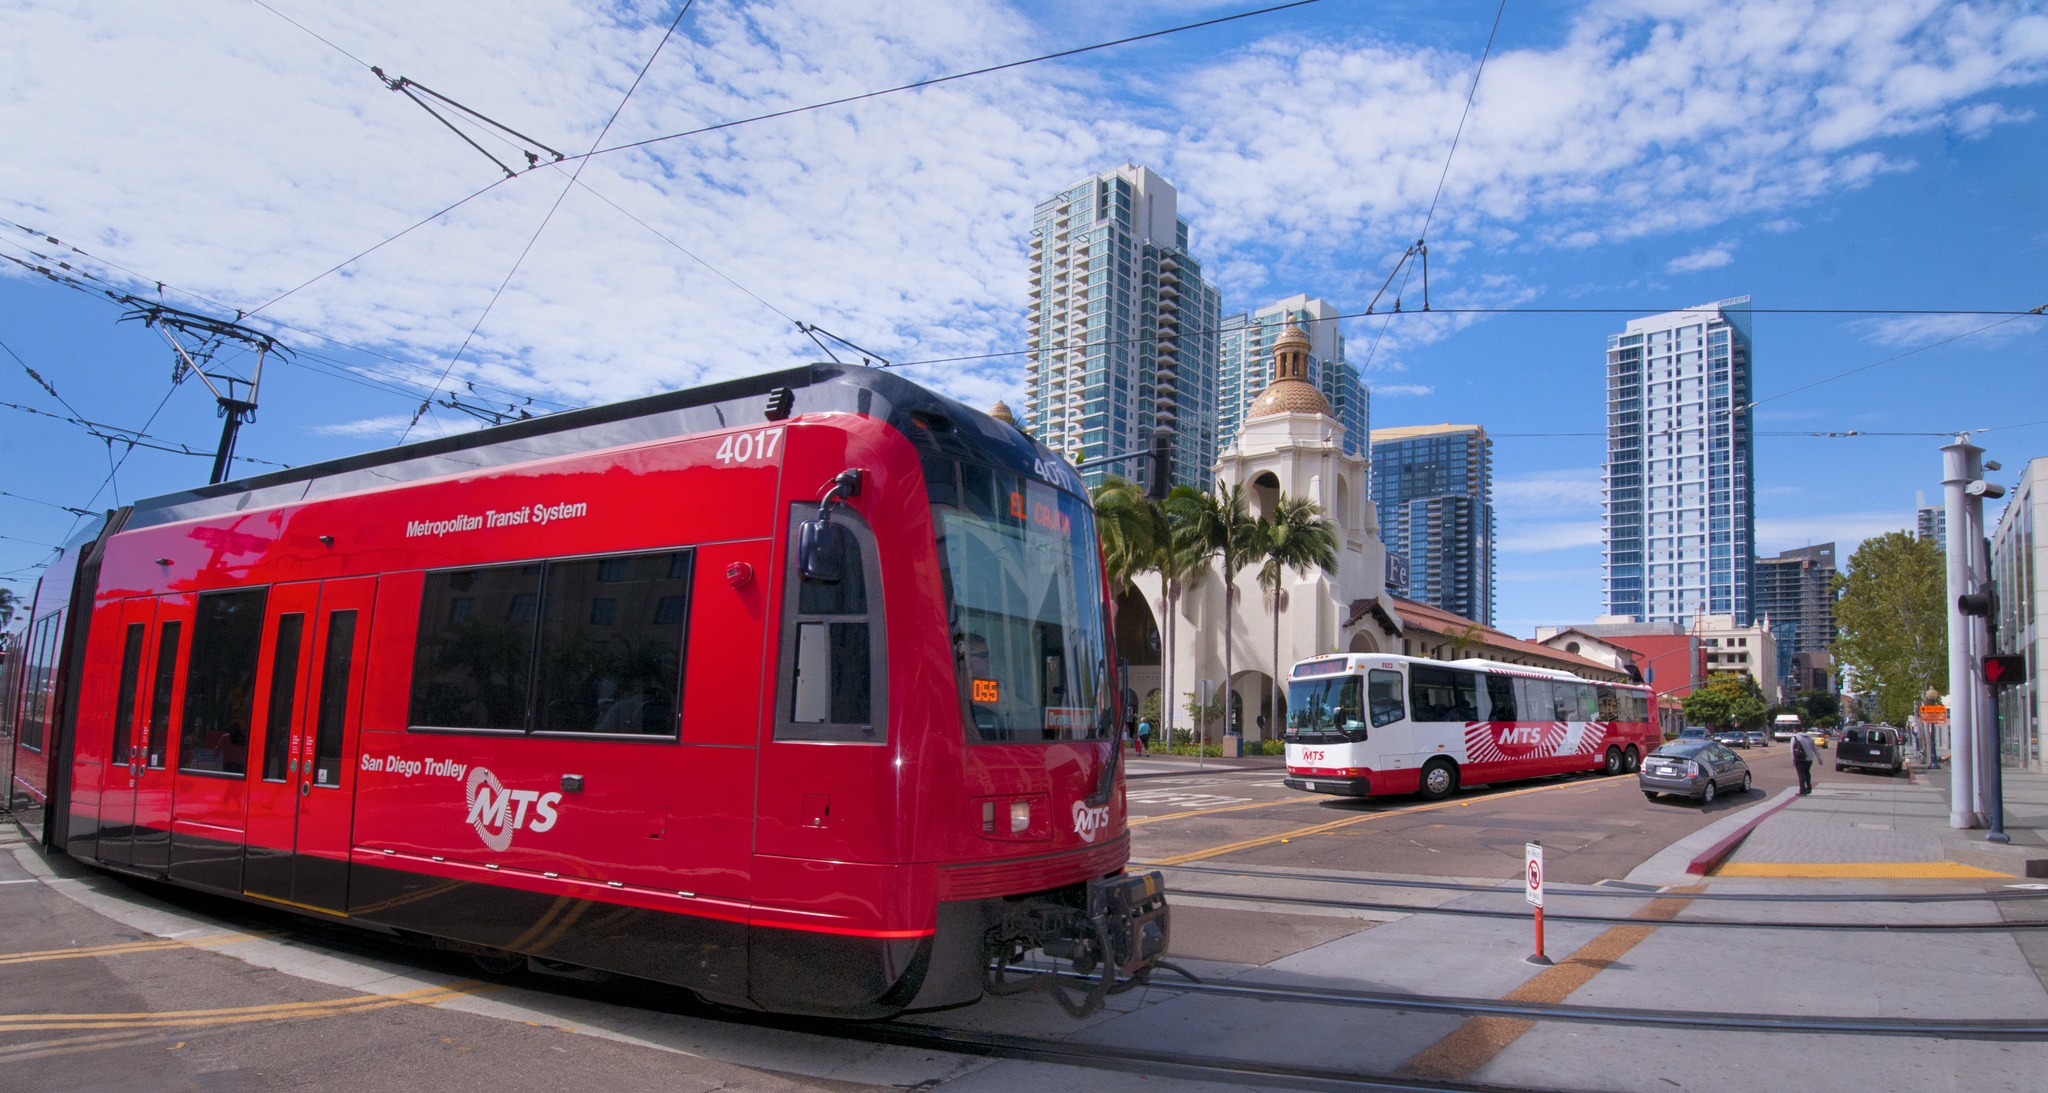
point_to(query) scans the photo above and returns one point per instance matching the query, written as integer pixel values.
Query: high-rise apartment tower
(1680, 497)
(1433, 486)
(1123, 334)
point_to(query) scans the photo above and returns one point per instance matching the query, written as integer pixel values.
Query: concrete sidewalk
(1878, 827)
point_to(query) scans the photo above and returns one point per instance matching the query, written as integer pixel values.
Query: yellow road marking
(1474, 1044)
(74, 1045)
(283, 1011)
(120, 948)
(1319, 829)
(1885, 870)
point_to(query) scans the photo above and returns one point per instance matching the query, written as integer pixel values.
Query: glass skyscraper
(1433, 486)
(1123, 328)
(1679, 490)
(1247, 351)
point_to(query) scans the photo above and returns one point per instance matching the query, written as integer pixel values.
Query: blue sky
(1633, 156)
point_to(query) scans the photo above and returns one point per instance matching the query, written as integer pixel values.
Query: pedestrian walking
(1144, 733)
(1804, 756)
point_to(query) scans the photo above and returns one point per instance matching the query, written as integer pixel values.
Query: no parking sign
(1532, 872)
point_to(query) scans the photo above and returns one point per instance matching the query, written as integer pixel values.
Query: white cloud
(902, 223)
(1846, 530)
(1397, 390)
(1574, 488)
(1531, 538)
(1917, 331)
(1713, 257)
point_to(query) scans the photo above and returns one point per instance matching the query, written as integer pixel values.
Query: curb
(1706, 861)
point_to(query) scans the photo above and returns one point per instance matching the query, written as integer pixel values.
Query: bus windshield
(1025, 605)
(1326, 709)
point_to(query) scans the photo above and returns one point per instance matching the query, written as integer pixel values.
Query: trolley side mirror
(821, 550)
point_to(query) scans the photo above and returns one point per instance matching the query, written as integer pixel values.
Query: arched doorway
(1137, 647)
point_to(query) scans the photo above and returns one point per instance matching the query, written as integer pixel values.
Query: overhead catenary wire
(427, 407)
(937, 80)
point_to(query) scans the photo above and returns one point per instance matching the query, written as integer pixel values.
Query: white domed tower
(1291, 444)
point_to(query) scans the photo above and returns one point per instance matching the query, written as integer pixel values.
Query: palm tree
(1295, 535)
(1220, 526)
(1130, 527)
(1178, 559)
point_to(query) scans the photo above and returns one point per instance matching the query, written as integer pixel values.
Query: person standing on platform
(1804, 756)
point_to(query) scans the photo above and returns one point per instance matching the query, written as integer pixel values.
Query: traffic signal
(1161, 465)
(2005, 669)
(1975, 604)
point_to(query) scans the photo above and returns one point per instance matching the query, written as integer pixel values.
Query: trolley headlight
(1020, 817)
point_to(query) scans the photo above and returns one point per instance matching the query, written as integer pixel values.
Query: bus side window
(1610, 703)
(1350, 713)
(1383, 694)
(1500, 698)
(1443, 694)
(1535, 699)
(831, 683)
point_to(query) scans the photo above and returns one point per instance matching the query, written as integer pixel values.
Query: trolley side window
(831, 675)
(41, 679)
(1443, 694)
(335, 671)
(124, 701)
(284, 686)
(220, 694)
(582, 645)
(168, 636)
(611, 645)
(474, 660)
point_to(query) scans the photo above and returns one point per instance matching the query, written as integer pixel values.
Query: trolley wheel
(1439, 779)
(1707, 793)
(1613, 763)
(1747, 781)
(1631, 760)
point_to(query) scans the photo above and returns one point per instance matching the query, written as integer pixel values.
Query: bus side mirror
(821, 550)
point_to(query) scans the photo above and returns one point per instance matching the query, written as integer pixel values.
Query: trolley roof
(932, 421)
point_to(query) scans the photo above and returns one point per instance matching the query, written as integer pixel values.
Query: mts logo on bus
(497, 812)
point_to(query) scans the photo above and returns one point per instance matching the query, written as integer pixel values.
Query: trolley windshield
(1025, 606)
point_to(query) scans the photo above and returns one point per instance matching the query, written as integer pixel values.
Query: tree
(1297, 536)
(1725, 702)
(1893, 614)
(1178, 559)
(1130, 527)
(1819, 709)
(1220, 526)
(7, 602)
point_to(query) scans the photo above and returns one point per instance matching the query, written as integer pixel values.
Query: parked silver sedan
(1693, 768)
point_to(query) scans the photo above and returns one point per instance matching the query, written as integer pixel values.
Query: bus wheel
(1632, 760)
(1439, 779)
(1613, 762)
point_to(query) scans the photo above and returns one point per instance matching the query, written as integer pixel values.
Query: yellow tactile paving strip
(1474, 1044)
(1864, 870)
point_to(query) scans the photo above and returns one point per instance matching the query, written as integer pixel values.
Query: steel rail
(1596, 892)
(1618, 920)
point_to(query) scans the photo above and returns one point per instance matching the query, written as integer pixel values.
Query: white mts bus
(1362, 725)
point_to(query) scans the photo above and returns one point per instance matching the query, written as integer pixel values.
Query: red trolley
(795, 691)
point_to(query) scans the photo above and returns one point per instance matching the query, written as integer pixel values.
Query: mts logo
(496, 812)
(1312, 755)
(1521, 735)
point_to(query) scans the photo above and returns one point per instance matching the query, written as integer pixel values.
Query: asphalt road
(1592, 828)
(239, 998)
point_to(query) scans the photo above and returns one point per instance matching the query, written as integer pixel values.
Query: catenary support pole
(1959, 466)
